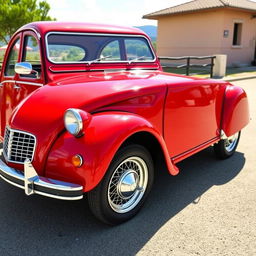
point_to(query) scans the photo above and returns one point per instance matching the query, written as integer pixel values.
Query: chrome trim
(29, 83)
(16, 87)
(97, 34)
(8, 81)
(30, 176)
(32, 183)
(76, 114)
(22, 82)
(223, 135)
(9, 145)
(1, 85)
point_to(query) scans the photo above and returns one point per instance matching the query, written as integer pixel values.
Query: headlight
(74, 122)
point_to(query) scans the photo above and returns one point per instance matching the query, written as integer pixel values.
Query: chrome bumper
(34, 184)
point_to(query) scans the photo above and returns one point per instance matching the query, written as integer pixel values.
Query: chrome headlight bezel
(73, 122)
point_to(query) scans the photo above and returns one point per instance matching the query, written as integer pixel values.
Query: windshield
(93, 48)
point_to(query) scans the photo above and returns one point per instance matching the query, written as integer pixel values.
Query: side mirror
(23, 68)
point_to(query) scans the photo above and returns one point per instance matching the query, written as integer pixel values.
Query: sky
(120, 12)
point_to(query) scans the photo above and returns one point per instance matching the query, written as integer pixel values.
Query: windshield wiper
(98, 59)
(134, 60)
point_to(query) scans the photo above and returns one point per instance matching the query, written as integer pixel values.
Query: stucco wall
(244, 53)
(201, 33)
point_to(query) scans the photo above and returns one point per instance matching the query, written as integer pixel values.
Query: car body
(73, 115)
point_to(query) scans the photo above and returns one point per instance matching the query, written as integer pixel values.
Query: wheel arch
(235, 115)
(151, 143)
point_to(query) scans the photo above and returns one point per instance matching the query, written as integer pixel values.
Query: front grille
(18, 146)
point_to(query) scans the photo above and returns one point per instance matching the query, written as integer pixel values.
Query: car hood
(46, 106)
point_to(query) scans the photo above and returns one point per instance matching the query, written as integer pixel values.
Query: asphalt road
(208, 209)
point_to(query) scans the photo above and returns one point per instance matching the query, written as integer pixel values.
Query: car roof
(43, 27)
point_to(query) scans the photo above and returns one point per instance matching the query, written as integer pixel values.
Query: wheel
(126, 184)
(227, 147)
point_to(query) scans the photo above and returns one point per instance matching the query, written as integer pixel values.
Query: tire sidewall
(122, 154)
(221, 151)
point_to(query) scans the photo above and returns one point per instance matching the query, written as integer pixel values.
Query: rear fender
(235, 110)
(102, 139)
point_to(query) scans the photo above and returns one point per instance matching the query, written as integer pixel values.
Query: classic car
(86, 109)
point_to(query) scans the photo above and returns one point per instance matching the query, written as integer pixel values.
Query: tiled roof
(198, 5)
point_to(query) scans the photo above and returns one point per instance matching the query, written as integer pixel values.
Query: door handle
(16, 87)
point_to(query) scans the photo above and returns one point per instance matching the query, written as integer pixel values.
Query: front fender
(102, 138)
(235, 110)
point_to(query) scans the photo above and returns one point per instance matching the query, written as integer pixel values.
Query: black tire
(132, 163)
(227, 147)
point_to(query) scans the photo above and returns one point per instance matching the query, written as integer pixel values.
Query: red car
(87, 109)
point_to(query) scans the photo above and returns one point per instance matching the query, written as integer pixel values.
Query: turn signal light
(77, 160)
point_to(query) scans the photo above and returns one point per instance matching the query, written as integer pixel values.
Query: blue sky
(121, 12)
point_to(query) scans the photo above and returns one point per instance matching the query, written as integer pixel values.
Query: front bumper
(34, 184)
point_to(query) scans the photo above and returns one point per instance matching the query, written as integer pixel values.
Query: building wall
(202, 33)
(239, 54)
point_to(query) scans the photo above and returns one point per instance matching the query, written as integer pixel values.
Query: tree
(16, 13)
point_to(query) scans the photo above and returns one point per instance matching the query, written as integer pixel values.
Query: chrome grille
(18, 146)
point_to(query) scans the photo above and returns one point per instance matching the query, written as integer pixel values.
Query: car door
(192, 116)
(26, 84)
(16, 87)
(8, 86)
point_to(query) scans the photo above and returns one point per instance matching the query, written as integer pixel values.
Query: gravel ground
(208, 209)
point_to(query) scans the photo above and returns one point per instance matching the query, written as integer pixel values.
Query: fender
(235, 110)
(102, 138)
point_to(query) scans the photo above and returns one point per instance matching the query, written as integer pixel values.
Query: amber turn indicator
(77, 160)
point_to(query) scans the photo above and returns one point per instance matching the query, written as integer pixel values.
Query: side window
(138, 49)
(31, 54)
(111, 52)
(12, 59)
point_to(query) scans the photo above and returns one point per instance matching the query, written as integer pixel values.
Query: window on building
(237, 37)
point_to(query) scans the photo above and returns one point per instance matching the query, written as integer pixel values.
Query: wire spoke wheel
(127, 184)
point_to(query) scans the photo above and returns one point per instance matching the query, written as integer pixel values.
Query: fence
(188, 64)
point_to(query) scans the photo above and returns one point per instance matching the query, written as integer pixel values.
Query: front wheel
(227, 147)
(123, 190)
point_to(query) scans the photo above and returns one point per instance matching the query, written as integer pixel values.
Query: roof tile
(198, 5)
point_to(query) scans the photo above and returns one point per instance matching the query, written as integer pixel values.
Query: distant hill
(150, 30)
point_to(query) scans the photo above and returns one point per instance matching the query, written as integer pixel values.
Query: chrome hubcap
(230, 142)
(127, 184)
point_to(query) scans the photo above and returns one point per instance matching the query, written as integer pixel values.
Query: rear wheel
(227, 147)
(123, 190)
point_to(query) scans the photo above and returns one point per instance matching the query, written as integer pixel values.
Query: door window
(12, 59)
(31, 54)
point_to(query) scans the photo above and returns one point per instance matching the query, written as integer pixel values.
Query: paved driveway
(209, 209)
